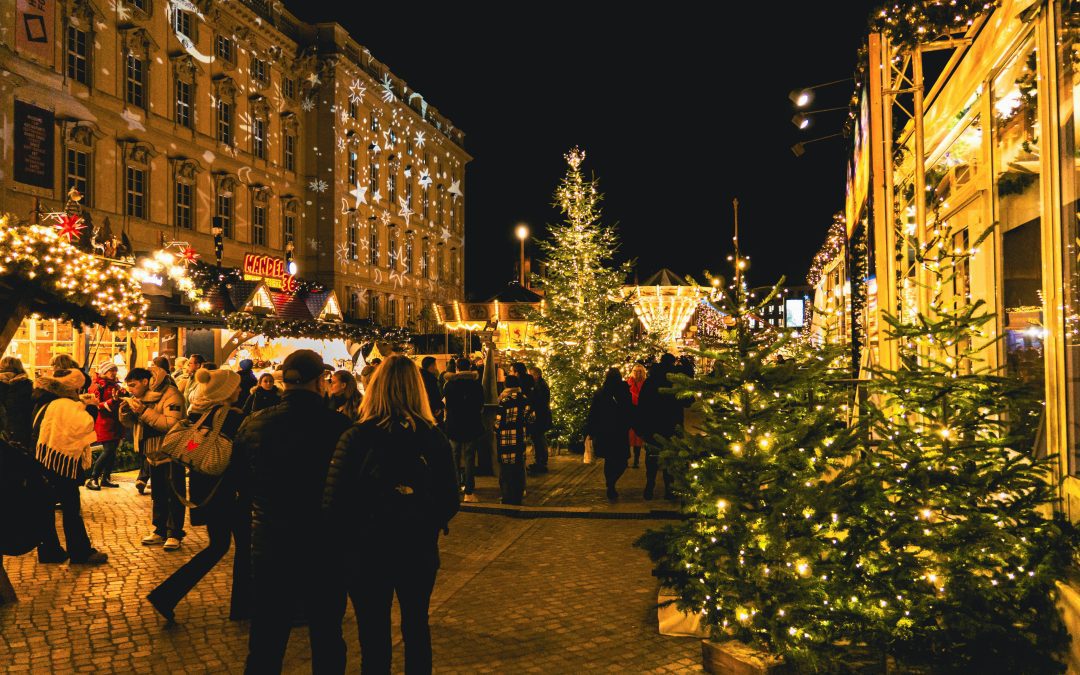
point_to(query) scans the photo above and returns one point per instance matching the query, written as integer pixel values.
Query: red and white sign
(269, 269)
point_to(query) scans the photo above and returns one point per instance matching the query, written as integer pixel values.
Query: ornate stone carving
(185, 67)
(140, 152)
(136, 40)
(225, 184)
(224, 88)
(260, 107)
(186, 170)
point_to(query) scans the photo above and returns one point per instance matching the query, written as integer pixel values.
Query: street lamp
(803, 97)
(522, 232)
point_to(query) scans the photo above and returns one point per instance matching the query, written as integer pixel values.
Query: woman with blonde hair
(392, 481)
(636, 379)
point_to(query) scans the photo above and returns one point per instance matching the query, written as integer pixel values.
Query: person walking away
(248, 381)
(221, 503)
(525, 380)
(661, 414)
(451, 368)
(154, 407)
(290, 446)
(393, 483)
(264, 395)
(464, 396)
(62, 432)
(344, 394)
(106, 389)
(16, 407)
(429, 370)
(511, 424)
(635, 382)
(608, 424)
(540, 402)
(365, 377)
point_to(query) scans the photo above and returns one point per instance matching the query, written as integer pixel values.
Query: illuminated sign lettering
(270, 270)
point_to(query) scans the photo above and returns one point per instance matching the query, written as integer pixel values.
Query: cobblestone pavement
(548, 595)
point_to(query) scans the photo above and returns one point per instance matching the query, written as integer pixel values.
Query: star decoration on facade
(307, 105)
(344, 116)
(313, 243)
(189, 255)
(444, 234)
(419, 139)
(385, 217)
(376, 196)
(387, 89)
(356, 92)
(318, 185)
(70, 226)
(405, 211)
(360, 193)
(341, 143)
(455, 188)
(314, 79)
(375, 149)
(425, 178)
(341, 252)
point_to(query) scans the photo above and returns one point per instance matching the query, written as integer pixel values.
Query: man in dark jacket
(429, 370)
(248, 381)
(464, 411)
(290, 446)
(540, 400)
(660, 413)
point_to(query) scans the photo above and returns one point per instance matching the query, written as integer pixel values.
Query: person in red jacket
(106, 389)
(636, 379)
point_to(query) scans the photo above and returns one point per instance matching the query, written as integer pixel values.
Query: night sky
(679, 112)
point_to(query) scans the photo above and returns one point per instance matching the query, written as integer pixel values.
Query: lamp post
(522, 232)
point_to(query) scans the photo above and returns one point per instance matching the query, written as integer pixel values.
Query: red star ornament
(71, 227)
(188, 255)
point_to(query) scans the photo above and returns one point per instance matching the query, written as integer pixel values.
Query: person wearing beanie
(221, 503)
(247, 381)
(62, 431)
(106, 389)
(290, 446)
(154, 407)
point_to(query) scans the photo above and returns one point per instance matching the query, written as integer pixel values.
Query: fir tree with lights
(952, 550)
(755, 550)
(589, 326)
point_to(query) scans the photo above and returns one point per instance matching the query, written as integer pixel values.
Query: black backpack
(395, 483)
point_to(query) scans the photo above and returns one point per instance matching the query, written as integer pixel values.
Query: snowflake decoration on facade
(425, 178)
(313, 243)
(388, 88)
(344, 116)
(356, 92)
(341, 143)
(419, 139)
(405, 211)
(318, 185)
(455, 188)
(307, 105)
(385, 217)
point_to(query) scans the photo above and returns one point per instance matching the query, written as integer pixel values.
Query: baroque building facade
(174, 118)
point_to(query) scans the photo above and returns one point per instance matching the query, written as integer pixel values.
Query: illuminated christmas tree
(588, 326)
(952, 552)
(754, 552)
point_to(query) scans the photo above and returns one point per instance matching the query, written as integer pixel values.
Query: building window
(135, 81)
(135, 187)
(392, 250)
(354, 302)
(440, 265)
(224, 48)
(183, 103)
(408, 254)
(453, 216)
(391, 311)
(373, 177)
(439, 198)
(391, 185)
(373, 309)
(260, 72)
(224, 214)
(258, 224)
(77, 171)
(426, 202)
(374, 123)
(354, 109)
(289, 226)
(258, 138)
(354, 166)
(409, 193)
(393, 138)
(453, 266)
(224, 122)
(290, 152)
(181, 23)
(184, 206)
(374, 245)
(408, 312)
(78, 42)
(352, 241)
(288, 88)
(424, 260)
(409, 146)
(138, 4)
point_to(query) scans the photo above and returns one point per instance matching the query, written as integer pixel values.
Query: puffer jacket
(464, 406)
(260, 399)
(107, 425)
(289, 447)
(164, 408)
(16, 408)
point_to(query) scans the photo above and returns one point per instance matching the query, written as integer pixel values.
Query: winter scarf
(64, 437)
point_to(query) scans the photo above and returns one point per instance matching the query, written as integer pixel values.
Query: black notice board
(34, 145)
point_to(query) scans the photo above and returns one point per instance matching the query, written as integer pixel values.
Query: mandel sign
(269, 269)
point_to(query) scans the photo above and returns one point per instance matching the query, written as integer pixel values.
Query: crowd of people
(327, 493)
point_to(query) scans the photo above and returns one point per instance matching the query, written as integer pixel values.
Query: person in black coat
(248, 381)
(429, 371)
(221, 503)
(464, 421)
(540, 400)
(15, 402)
(290, 446)
(264, 395)
(393, 486)
(609, 424)
(660, 414)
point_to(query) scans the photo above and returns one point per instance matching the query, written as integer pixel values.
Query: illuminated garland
(40, 266)
(918, 21)
(833, 246)
(207, 277)
(320, 330)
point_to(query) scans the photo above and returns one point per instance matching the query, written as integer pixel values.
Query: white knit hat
(105, 367)
(216, 386)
